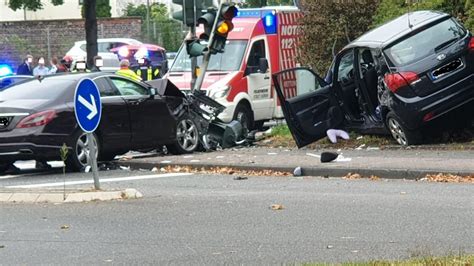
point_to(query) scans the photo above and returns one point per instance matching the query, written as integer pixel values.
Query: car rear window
(424, 43)
(35, 89)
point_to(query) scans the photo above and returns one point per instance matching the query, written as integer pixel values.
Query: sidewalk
(394, 163)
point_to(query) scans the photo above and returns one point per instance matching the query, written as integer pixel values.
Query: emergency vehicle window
(257, 52)
(126, 87)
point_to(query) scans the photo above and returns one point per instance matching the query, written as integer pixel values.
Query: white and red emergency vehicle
(238, 78)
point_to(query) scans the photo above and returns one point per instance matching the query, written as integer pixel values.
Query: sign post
(88, 110)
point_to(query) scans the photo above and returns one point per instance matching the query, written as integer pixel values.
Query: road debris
(360, 147)
(359, 176)
(64, 226)
(328, 157)
(240, 178)
(276, 207)
(313, 155)
(298, 171)
(329, 246)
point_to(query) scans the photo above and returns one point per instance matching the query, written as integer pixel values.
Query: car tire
(244, 115)
(77, 157)
(187, 136)
(400, 133)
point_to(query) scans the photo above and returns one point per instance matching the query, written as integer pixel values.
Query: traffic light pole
(207, 54)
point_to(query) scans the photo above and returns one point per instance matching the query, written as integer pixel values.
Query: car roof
(127, 40)
(394, 29)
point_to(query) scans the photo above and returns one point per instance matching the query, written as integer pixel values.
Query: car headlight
(220, 92)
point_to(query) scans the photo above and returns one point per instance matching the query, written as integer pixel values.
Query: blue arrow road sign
(87, 105)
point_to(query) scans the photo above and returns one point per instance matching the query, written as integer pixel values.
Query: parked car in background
(397, 79)
(156, 54)
(111, 61)
(37, 117)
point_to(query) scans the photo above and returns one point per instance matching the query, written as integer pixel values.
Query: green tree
(32, 5)
(102, 9)
(168, 31)
(390, 9)
(330, 25)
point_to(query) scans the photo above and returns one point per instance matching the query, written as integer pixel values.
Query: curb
(309, 171)
(58, 196)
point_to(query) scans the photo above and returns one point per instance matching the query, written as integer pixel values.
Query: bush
(329, 24)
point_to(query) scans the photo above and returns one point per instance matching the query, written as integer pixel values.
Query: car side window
(127, 87)
(345, 72)
(105, 88)
(298, 82)
(256, 52)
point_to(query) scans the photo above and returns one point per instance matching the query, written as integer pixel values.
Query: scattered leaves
(359, 176)
(276, 207)
(352, 176)
(224, 171)
(449, 178)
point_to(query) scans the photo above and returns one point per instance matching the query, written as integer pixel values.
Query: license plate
(447, 69)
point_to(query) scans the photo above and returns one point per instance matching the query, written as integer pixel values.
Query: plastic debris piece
(333, 134)
(165, 161)
(272, 153)
(298, 171)
(87, 169)
(313, 155)
(360, 147)
(154, 169)
(240, 178)
(127, 168)
(65, 226)
(328, 157)
(360, 137)
(341, 159)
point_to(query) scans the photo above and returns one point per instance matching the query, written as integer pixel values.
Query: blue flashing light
(5, 70)
(269, 23)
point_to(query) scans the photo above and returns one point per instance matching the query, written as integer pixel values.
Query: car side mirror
(263, 65)
(152, 92)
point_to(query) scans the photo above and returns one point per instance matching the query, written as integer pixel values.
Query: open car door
(308, 103)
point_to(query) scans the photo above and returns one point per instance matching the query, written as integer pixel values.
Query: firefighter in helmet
(146, 70)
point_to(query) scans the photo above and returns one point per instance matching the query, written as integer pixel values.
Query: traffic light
(186, 14)
(207, 20)
(223, 27)
(195, 48)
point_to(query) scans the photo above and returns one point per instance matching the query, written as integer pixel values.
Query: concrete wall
(56, 37)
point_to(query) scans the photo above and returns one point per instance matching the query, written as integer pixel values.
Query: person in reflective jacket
(125, 71)
(145, 70)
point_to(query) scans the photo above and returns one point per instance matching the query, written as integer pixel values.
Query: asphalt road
(211, 219)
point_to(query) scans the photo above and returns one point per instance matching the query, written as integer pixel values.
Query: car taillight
(37, 119)
(471, 44)
(395, 81)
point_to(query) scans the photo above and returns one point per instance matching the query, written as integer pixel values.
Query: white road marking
(104, 180)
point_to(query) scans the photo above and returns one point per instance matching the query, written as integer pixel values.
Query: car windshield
(425, 42)
(228, 61)
(35, 89)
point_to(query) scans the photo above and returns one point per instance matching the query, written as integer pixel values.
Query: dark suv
(397, 78)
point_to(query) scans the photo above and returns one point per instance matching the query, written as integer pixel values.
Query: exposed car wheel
(187, 137)
(77, 158)
(244, 115)
(400, 133)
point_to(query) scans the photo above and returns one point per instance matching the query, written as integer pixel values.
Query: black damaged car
(398, 78)
(37, 117)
